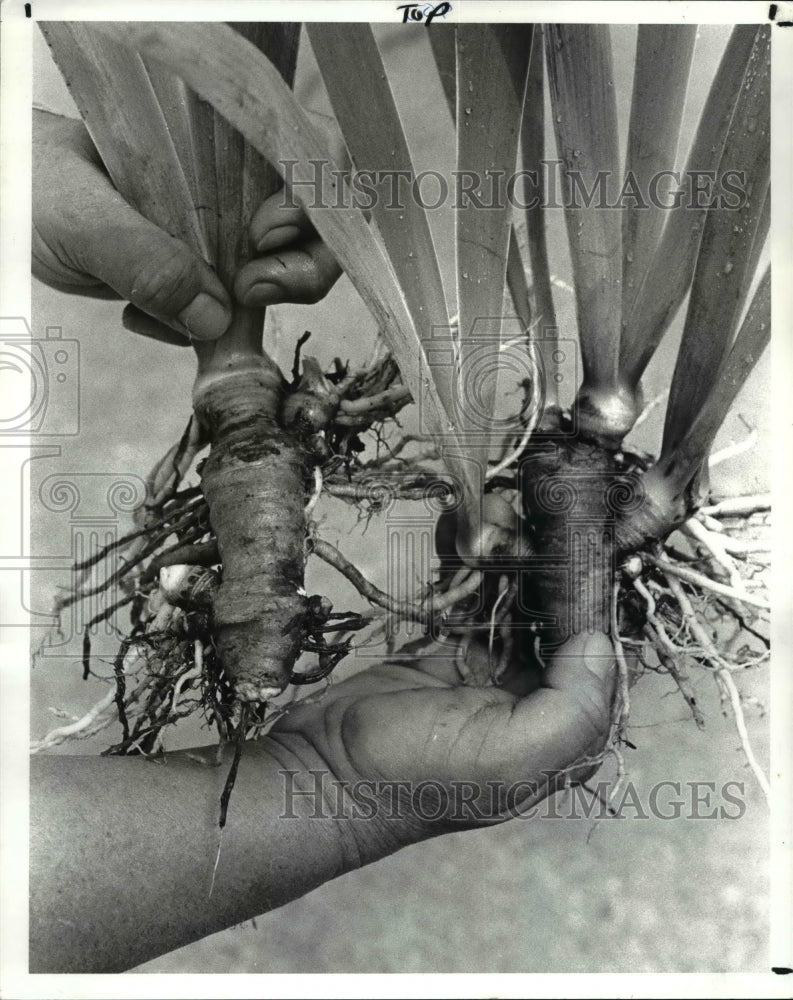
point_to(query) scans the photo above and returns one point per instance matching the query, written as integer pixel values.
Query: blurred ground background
(539, 896)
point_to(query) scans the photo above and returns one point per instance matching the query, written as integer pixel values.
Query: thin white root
(648, 597)
(560, 283)
(190, 675)
(620, 759)
(694, 625)
(439, 604)
(215, 866)
(705, 583)
(648, 409)
(314, 498)
(395, 450)
(513, 455)
(735, 546)
(392, 398)
(743, 734)
(739, 506)
(166, 615)
(715, 545)
(503, 590)
(732, 450)
(432, 605)
(92, 722)
(165, 472)
(186, 678)
(63, 733)
(447, 600)
(622, 663)
(724, 680)
(710, 522)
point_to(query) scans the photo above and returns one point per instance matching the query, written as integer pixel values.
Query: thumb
(581, 677)
(155, 272)
(584, 668)
(567, 719)
(85, 232)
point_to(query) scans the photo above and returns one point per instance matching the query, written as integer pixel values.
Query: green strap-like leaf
(680, 463)
(759, 244)
(191, 123)
(242, 180)
(516, 281)
(243, 177)
(444, 50)
(174, 97)
(544, 329)
(663, 64)
(581, 80)
(248, 90)
(227, 179)
(731, 243)
(375, 137)
(492, 67)
(661, 291)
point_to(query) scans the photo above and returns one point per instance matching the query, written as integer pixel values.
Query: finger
(567, 720)
(584, 669)
(136, 321)
(84, 230)
(278, 222)
(157, 273)
(301, 274)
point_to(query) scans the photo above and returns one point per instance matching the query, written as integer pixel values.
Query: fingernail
(278, 237)
(205, 318)
(264, 293)
(599, 654)
(595, 649)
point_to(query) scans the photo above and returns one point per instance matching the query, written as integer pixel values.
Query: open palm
(411, 721)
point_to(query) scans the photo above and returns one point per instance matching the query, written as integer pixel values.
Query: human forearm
(123, 850)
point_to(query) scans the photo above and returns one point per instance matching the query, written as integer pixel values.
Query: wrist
(365, 820)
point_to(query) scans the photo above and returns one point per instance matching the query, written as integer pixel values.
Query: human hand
(484, 753)
(88, 240)
(406, 721)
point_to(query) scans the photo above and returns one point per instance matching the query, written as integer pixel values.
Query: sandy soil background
(547, 895)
